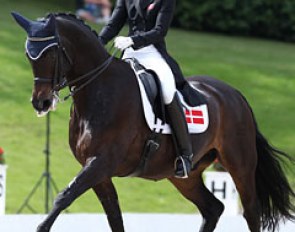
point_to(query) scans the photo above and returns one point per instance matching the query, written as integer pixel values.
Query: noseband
(59, 81)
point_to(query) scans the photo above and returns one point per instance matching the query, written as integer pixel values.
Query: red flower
(2, 160)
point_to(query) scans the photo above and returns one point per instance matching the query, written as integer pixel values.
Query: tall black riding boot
(183, 161)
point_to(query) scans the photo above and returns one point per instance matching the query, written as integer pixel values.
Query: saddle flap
(152, 86)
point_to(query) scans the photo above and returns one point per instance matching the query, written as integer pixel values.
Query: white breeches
(150, 58)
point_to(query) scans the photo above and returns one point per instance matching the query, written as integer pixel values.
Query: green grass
(262, 70)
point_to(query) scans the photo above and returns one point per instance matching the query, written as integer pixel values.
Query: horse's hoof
(41, 228)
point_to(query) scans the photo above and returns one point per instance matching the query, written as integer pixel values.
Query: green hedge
(264, 18)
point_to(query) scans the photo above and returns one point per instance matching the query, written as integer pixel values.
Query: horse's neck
(108, 93)
(87, 59)
(85, 56)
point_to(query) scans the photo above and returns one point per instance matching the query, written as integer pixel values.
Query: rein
(59, 81)
(92, 75)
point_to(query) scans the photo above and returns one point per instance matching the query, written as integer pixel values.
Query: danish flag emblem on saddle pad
(194, 117)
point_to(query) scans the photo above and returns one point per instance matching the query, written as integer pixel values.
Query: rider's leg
(176, 117)
(178, 124)
(150, 58)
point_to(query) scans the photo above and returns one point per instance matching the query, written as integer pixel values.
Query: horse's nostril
(47, 103)
(41, 104)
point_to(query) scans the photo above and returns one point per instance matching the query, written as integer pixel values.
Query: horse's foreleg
(107, 194)
(88, 177)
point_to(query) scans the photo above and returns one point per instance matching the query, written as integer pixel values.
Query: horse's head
(63, 51)
(43, 52)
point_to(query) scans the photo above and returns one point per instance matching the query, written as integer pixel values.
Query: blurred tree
(265, 18)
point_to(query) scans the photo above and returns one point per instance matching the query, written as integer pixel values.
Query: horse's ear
(50, 25)
(22, 21)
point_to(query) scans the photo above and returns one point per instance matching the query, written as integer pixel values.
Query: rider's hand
(122, 42)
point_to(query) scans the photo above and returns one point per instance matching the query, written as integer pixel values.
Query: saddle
(195, 110)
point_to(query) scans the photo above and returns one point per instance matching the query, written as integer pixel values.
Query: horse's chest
(83, 139)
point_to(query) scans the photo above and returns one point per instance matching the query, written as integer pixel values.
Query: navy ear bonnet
(41, 34)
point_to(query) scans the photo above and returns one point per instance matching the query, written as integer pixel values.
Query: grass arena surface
(262, 70)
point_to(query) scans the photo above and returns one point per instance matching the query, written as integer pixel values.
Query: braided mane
(73, 17)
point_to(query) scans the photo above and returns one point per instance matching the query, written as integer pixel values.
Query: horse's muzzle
(42, 105)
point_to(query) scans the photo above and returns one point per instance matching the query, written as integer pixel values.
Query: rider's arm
(115, 24)
(160, 29)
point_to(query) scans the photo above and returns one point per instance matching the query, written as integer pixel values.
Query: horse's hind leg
(194, 190)
(245, 183)
(247, 190)
(108, 197)
(240, 161)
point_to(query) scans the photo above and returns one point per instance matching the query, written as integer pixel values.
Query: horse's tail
(273, 189)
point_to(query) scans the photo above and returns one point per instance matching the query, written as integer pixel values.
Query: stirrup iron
(184, 170)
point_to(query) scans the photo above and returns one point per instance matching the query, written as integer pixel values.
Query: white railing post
(2, 188)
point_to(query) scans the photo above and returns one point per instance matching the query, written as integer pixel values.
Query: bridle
(59, 76)
(59, 80)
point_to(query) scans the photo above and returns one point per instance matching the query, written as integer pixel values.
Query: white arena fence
(220, 184)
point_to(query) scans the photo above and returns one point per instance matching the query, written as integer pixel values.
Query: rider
(149, 21)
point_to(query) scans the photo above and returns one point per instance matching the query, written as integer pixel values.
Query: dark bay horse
(108, 130)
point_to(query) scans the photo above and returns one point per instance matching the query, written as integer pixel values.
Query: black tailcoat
(149, 21)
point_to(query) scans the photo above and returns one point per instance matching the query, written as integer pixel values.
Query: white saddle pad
(197, 117)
